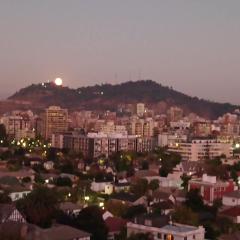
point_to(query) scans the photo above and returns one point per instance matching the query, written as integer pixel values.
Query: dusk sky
(191, 45)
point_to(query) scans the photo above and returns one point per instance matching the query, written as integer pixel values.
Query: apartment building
(97, 144)
(55, 120)
(201, 149)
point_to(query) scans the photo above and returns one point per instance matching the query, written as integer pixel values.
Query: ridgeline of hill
(108, 97)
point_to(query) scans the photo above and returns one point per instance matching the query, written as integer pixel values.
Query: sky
(191, 45)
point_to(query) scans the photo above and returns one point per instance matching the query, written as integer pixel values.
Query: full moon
(58, 81)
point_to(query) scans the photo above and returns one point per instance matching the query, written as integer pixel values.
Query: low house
(15, 230)
(211, 188)
(165, 206)
(233, 236)
(18, 192)
(49, 165)
(147, 174)
(49, 177)
(70, 208)
(188, 167)
(106, 214)
(160, 228)
(231, 198)
(232, 213)
(115, 225)
(63, 232)
(23, 173)
(128, 199)
(9, 213)
(73, 177)
(121, 186)
(159, 196)
(102, 186)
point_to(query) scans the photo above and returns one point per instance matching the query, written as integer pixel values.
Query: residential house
(9, 213)
(128, 199)
(115, 225)
(232, 213)
(161, 229)
(211, 188)
(231, 198)
(70, 208)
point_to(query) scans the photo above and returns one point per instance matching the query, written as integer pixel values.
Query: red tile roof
(115, 224)
(232, 212)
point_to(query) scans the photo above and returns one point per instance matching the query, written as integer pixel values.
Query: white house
(167, 232)
(49, 165)
(231, 198)
(101, 187)
(18, 192)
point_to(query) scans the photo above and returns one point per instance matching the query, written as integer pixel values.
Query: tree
(3, 132)
(168, 162)
(145, 165)
(122, 161)
(38, 179)
(19, 152)
(90, 220)
(214, 167)
(39, 206)
(116, 208)
(122, 235)
(211, 231)
(225, 224)
(26, 180)
(194, 200)
(6, 155)
(140, 187)
(63, 182)
(185, 215)
(51, 154)
(154, 184)
(185, 179)
(67, 167)
(133, 211)
(4, 198)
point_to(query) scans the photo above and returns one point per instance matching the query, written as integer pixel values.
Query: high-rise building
(55, 120)
(202, 149)
(19, 124)
(174, 114)
(140, 109)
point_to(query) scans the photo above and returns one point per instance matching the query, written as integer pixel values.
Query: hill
(107, 96)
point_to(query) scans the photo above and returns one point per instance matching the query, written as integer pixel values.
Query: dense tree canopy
(90, 220)
(39, 206)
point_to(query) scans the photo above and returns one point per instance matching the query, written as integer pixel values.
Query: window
(170, 237)
(185, 238)
(194, 237)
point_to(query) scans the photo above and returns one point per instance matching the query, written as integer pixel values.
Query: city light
(86, 198)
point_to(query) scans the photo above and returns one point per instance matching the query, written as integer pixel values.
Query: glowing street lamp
(101, 204)
(86, 198)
